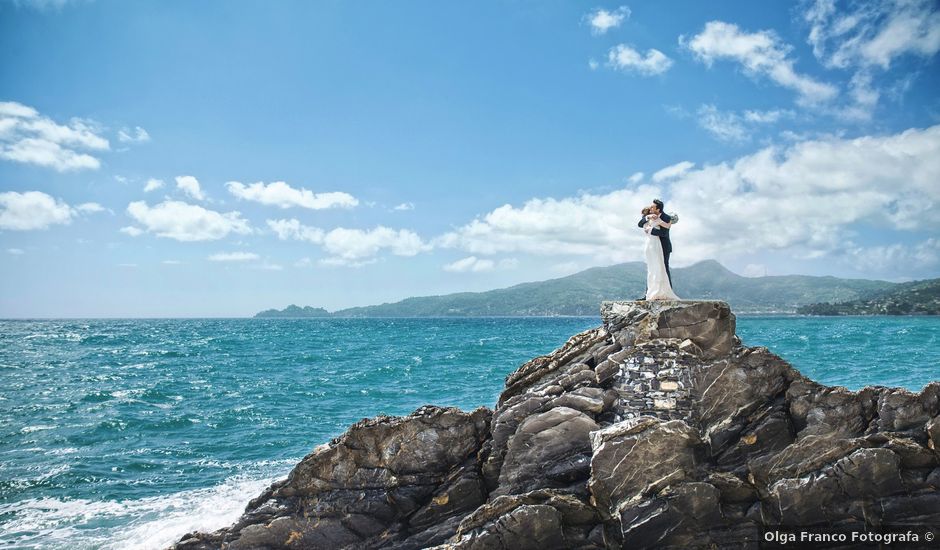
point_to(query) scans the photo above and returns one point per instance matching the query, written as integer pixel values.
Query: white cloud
(673, 171)
(233, 257)
(137, 135)
(352, 247)
(626, 58)
(293, 230)
(281, 194)
(770, 199)
(190, 186)
(89, 208)
(805, 199)
(336, 261)
(470, 264)
(593, 64)
(602, 20)
(37, 210)
(760, 54)
(131, 230)
(153, 184)
(766, 117)
(16, 251)
(636, 177)
(405, 206)
(873, 33)
(733, 127)
(30, 138)
(924, 254)
(600, 225)
(868, 36)
(171, 262)
(186, 222)
(725, 126)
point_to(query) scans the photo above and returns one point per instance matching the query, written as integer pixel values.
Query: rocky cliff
(657, 429)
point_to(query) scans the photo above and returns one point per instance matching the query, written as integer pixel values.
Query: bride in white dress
(657, 281)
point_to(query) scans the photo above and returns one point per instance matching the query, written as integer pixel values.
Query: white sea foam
(142, 524)
(37, 428)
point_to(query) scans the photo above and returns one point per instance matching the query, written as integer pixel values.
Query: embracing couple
(658, 247)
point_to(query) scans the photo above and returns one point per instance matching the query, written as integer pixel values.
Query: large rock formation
(657, 429)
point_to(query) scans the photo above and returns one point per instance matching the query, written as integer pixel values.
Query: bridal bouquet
(673, 217)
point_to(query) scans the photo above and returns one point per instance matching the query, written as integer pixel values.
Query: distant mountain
(581, 294)
(295, 311)
(914, 298)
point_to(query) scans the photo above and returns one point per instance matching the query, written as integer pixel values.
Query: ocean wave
(141, 524)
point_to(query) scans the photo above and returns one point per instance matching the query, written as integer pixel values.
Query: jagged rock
(639, 456)
(548, 449)
(658, 429)
(385, 479)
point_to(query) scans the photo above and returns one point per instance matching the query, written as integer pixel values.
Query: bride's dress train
(657, 280)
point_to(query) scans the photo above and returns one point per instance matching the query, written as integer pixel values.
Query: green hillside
(295, 311)
(582, 293)
(914, 298)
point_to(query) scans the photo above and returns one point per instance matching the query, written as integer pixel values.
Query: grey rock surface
(658, 429)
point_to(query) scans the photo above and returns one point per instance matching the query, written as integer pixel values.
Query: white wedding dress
(657, 280)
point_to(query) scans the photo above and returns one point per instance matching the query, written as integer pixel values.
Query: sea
(127, 434)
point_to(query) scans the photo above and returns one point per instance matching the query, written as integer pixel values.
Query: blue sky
(218, 158)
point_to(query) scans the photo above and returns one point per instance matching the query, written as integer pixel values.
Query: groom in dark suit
(662, 233)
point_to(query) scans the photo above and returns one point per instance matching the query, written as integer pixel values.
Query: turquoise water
(130, 433)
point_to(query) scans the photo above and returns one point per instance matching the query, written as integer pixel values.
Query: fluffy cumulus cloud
(233, 257)
(626, 58)
(37, 210)
(190, 186)
(602, 20)
(597, 225)
(806, 199)
(281, 194)
(184, 222)
(760, 54)
(28, 137)
(352, 247)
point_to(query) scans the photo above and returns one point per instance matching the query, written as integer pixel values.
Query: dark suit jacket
(661, 232)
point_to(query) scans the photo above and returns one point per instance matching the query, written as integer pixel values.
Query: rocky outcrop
(658, 429)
